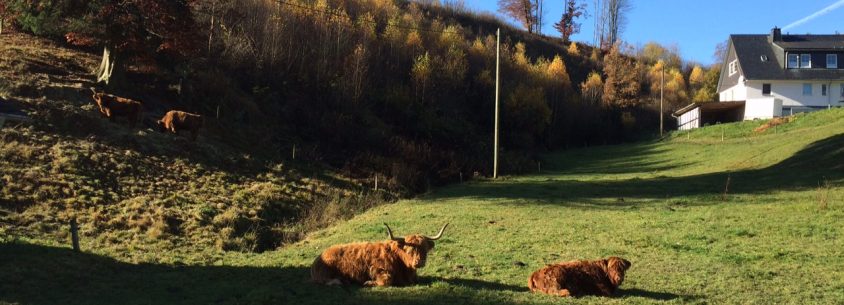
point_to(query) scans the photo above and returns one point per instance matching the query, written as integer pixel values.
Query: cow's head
(416, 246)
(616, 267)
(159, 125)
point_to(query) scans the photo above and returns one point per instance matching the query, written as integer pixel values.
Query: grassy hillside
(137, 191)
(774, 235)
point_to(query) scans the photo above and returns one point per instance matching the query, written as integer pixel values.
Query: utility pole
(497, 81)
(661, 94)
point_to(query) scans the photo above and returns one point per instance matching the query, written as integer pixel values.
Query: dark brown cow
(175, 121)
(578, 278)
(388, 263)
(112, 106)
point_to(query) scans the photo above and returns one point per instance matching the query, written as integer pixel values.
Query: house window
(805, 60)
(823, 89)
(733, 67)
(766, 89)
(793, 60)
(807, 89)
(842, 91)
(831, 61)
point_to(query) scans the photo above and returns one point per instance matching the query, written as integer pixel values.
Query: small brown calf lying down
(112, 106)
(389, 263)
(579, 278)
(175, 121)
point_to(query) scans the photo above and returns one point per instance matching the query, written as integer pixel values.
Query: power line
(363, 20)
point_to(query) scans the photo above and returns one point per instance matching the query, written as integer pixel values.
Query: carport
(697, 115)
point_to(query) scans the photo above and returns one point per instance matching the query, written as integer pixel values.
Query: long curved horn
(439, 234)
(390, 233)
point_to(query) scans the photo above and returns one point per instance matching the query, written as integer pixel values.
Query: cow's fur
(112, 106)
(175, 121)
(389, 263)
(578, 278)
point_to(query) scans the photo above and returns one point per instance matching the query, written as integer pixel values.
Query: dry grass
(773, 123)
(132, 189)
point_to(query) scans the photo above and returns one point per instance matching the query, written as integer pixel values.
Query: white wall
(689, 120)
(735, 93)
(791, 93)
(762, 108)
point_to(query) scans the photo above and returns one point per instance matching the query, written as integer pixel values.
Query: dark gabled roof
(751, 48)
(812, 42)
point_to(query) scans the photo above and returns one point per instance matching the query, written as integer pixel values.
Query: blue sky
(697, 26)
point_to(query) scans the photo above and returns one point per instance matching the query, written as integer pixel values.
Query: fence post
(74, 234)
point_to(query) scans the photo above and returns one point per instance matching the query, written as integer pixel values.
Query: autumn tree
(668, 82)
(4, 12)
(708, 89)
(654, 52)
(621, 87)
(568, 24)
(524, 11)
(696, 79)
(526, 114)
(610, 20)
(560, 86)
(135, 29)
(573, 50)
(592, 88)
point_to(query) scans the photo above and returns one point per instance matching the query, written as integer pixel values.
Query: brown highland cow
(388, 263)
(580, 278)
(175, 121)
(114, 106)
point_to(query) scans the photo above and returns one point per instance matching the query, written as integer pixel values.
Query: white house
(774, 75)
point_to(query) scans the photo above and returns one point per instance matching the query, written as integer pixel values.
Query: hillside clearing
(773, 237)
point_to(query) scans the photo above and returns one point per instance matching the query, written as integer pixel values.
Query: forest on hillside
(400, 89)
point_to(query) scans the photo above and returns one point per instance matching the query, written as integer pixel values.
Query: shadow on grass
(653, 295)
(817, 163)
(474, 284)
(619, 159)
(33, 274)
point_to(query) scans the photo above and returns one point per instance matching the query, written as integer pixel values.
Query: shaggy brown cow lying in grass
(389, 263)
(579, 278)
(113, 106)
(175, 121)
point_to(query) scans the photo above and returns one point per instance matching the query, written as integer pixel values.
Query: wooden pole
(74, 234)
(294, 151)
(497, 83)
(661, 91)
(376, 182)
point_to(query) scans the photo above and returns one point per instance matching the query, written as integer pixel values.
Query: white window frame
(733, 67)
(823, 89)
(796, 61)
(834, 64)
(803, 63)
(809, 91)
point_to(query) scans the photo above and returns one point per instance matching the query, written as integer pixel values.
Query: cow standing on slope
(175, 121)
(388, 263)
(112, 106)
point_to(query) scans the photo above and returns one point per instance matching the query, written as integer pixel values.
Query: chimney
(776, 35)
